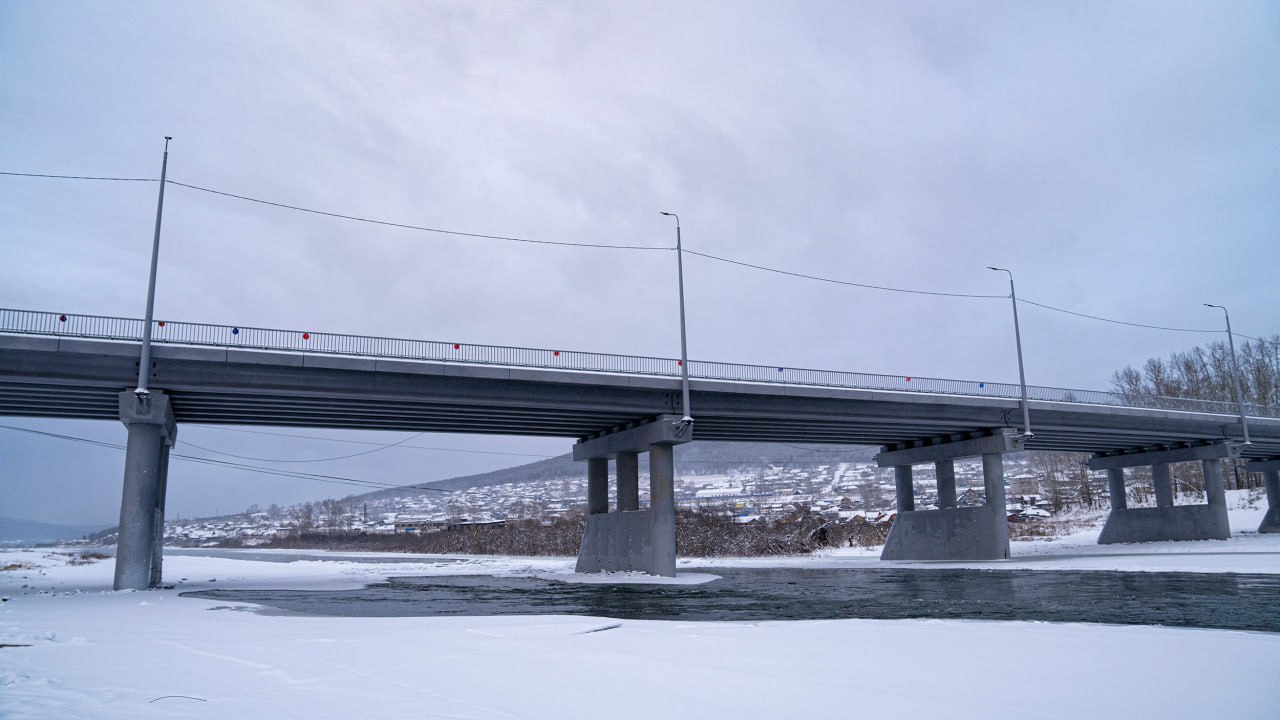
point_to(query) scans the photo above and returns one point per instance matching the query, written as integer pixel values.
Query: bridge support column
(950, 532)
(1163, 484)
(945, 471)
(597, 486)
(157, 547)
(662, 508)
(152, 431)
(1166, 521)
(1215, 490)
(1270, 470)
(1115, 488)
(632, 539)
(906, 491)
(628, 464)
(993, 485)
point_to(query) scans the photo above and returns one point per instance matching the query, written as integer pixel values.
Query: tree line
(707, 532)
(1207, 373)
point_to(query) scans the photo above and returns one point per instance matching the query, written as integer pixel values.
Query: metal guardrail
(93, 327)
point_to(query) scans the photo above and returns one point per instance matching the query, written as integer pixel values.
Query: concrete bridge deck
(616, 407)
(76, 378)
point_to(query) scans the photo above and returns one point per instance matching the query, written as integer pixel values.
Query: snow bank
(88, 652)
(74, 648)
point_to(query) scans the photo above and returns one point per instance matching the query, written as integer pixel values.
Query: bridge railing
(29, 322)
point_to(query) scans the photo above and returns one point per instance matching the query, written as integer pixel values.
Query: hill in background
(13, 530)
(705, 457)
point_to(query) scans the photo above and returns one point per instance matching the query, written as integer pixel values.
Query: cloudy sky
(1123, 159)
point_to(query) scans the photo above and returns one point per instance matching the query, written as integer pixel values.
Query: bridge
(615, 406)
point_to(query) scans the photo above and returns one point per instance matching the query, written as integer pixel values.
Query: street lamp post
(1235, 372)
(1017, 335)
(684, 345)
(144, 364)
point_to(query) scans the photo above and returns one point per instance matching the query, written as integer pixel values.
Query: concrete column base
(1271, 479)
(621, 542)
(1270, 521)
(1179, 522)
(970, 533)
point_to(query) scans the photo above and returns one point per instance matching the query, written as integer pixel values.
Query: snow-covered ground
(72, 648)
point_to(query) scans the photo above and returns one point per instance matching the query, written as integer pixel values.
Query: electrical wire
(1117, 322)
(823, 450)
(315, 477)
(367, 442)
(840, 282)
(421, 228)
(1264, 341)
(79, 177)
(708, 256)
(380, 448)
(570, 244)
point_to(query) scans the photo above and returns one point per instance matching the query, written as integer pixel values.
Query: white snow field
(72, 648)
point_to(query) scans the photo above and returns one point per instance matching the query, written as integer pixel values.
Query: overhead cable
(856, 448)
(571, 244)
(315, 477)
(334, 479)
(841, 282)
(1117, 322)
(380, 448)
(79, 177)
(421, 228)
(564, 243)
(367, 442)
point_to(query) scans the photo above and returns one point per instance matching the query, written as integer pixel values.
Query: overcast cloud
(1122, 158)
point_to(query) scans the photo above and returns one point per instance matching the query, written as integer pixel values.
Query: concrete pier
(632, 539)
(157, 545)
(152, 431)
(1163, 483)
(1166, 521)
(906, 491)
(597, 486)
(945, 472)
(628, 464)
(1270, 470)
(662, 509)
(950, 532)
(1115, 489)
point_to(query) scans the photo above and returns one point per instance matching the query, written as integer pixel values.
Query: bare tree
(304, 517)
(1055, 468)
(333, 514)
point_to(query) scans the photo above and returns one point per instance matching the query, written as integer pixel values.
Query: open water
(1217, 600)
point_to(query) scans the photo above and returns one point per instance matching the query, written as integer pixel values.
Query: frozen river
(1221, 600)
